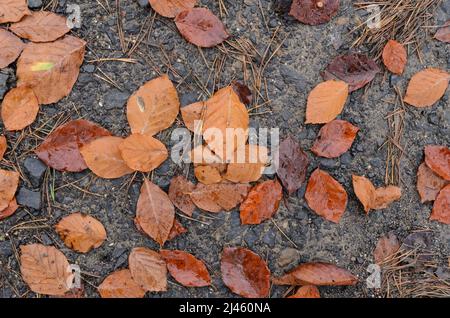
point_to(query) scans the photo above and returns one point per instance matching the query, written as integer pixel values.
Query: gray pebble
(34, 169)
(28, 198)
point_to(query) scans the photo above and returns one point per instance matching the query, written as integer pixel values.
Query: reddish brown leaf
(176, 230)
(245, 273)
(394, 57)
(355, 69)
(334, 139)
(60, 150)
(10, 210)
(186, 268)
(180, 194)
(11, 45)
(247, 164)
(148, 269)
(443, 34)
(428, 183)
(387, 246)
(326, 196)
(3, 146)
(13, 10)
(437, 159)
(120, 284)
(441, 207)
(191, 113)
(262, 202)
(372, 198)
(170, 8)
(427, 87)
(9, 181)
(201, 27)
(19, 108)
(220, 196)
(244, 93)
(308, 291)
(314, 12)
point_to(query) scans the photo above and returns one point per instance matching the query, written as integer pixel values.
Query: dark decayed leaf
(41, 26)
(314, 12)
(441, 207)
(11, 46)
(437, 159)
(243, 92)
(387, 246)
(220, 196)
(180, 190)
(428, 183)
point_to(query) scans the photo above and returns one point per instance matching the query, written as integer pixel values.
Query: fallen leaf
(441, 207)
(244, 93)
(41, 26)
(220, 196)
(201, 27)
(170, 8)
(443, 34)
(319, 274)
(155, 212)
(10, 210)
(334, 139)
(385, 196)
(262, 202)
(180, 190)
(293, 164)
(207, 174)
(153, 107)
(103, 157)
(374, 198)
(426, 87)
(19, 108)
(148, 269)
(186, 269)
(74, 292)
(245, 273)
(308, 291)
(394, 57)
(176, 230)
(247, 164)
(81, 232)
(326, 101)
(9, 180)
(428, 183)
(355, 69)
(437, 159)
(314, 12)
(120, 284)
(326, 196)
(11, 45)
(386, 247)
(51, 69)
(45, 269)
(61, 149)
(191, 113)
(13, 10)
(3, 146)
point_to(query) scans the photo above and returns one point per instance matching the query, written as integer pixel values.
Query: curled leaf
(386, 247)
(426, 87)
(244, 93)
(9, 180)
(428, 183)
(247, 164)
(437, 159)
(120, 284)
(374, 198)
(170, 8)
(394, 57)
(12, 46)
(148, 269)
(19, 108)
(314, 12)
(308, 291)
(441, 207)
(13, 10)
(220, 196)
(180, 190)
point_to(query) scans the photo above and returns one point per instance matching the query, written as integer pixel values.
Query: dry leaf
(244, 93)
(148, 269)
(220, 196)
(176, 230)
(262, 202)
(426, 87)
(308, 291)
(170, 8)
(247, 164)
(334, 139)
(441, 207)
(120, 284)
(3, 146)
(45, 269)
(186, 269)
(443, 34)
(13, 10)
(245, 273)
(437, 159)
(385, 196)
(314, 12)
(153, 107)
(155, 212)
(10, 210)
(326, 196)
(41, 26)
(61, 149)
(81, 232)
(386, 247)
(191, 113)
(19, 108)
(372, 198)
(208, 174)
(394, 57)
(326, 101)
(9, 180)
(428, 183)
(201, 27)
(180, 194)
(11, 45)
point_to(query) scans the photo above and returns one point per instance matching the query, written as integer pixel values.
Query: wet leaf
(13, 10)
(186, 269)
(428, 183)
(308, 291)
(247, 164)
(51, 69)
(3, 146)
(11, 45)
(41, 26)
(208, 174)
(153, 107)
(120, 284)
(201, 27)
(180, 194)
(355, 69)
(9, 180)
(10, 210)
(334, 139)
(81, 232)
(314, 12)
(61, 149)
(441, 207)
(170, 8)
(326, 101)
(19, 108)
(45, 269)
(155, 212)
(386, 247)
(427, 87)
(443, 34)
(293, 165)
(437, 159)
(245, 273)
(191, 113)
(220, 196)
(262, 202)
(148, 269)
(319, 274)
(244, 93)
(326, 196)
(176, 230)
(374, 198)
(394, 57)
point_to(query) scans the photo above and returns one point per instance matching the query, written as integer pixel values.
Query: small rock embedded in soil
(34, 4)
(34, 169)
(6, 249)
(115, 99)
(143, 3)
(287, 257)
(28, 198)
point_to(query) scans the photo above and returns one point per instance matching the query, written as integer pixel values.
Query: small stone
(291, 76)
(89, 68)
(34, 4)
(250, 238)
(143, 3)
(28, 198)
(287, 257)
(328, 163)
(115, 99)
(5, 249)
(34, 169)
(3, 82)
(346, 158)
(269, 238)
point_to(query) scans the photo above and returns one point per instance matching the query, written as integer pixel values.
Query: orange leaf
(387, 246)
(308, 291)
(220, 196)
(428, 183)
(385, 196)
(191, 113)
(9, 181)
(3, 146)
(441, 207)
(148, 269)
(247, 164)
(13, 10)
(19, 108)
(170, 8)
(180, 194)
(372, 198)
(120, 284)
(207, 174)
(10, 210)
(41, 26)
(12, 46)
(427, 87)
(394, 57)
(437, 159)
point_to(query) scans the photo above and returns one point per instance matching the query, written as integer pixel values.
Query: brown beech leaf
(9, 180)
(262, 202)
(3, 146)
(385, 196)
(355, 69)
(170, 8)
(176, 230)
(13, 10)
(45, 269)
(180, 190)
(208, 174)
(51, 69)
(314, 12)
(334, 139)
(326, 101)
(293, 164)
(61, 149)
(155, 212)
(191, 113)
(153, 107)
(41, 26)
(81, 232)
(326, 196)
(386, 247)
(201, 27)
(427, 87)
(186, 268)
(374, 198)
(441, 207)
(319, 274)
(394, 57)
(308, 291)
(244, 93)
(245, 272)
(120, 284)
(10, 210)
(11, 46)
(19, 108)
(437, 159)
(220, 196)
(148, 269)
(443, 34)
(428, 183)
(247, 164)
